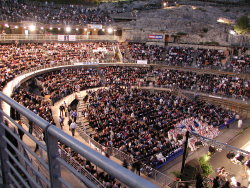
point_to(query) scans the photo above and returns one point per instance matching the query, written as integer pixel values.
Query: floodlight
(110, 30)
(68, 29)
(32, 27)
(232, 32)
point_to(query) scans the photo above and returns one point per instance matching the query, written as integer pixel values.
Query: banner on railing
(143, 62)
(66, 38)
(86, 63)
(155, 36)
(94, 26)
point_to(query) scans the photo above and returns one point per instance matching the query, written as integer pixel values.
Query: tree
(242, 25)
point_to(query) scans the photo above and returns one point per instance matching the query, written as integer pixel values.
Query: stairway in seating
(82, 122)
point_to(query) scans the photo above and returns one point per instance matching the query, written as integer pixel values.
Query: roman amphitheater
(124, 94)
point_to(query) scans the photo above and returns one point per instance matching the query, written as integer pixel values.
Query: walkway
(232, 136)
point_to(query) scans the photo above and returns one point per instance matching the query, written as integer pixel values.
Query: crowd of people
(139, 51)
(185, 57)
(141, 123)
(225, 85)
(35, 103)
(49, 13)
(16, 58)
(81, 163)
(59, 84)
(240, 64)
(210, 58)
(179, 56)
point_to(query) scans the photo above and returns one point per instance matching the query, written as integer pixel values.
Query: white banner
(100, 50)
(142, 62)
(86, 63)
(94, 26)
(66, 38)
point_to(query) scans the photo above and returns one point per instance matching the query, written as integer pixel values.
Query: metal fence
(16, 174)
(155, 175)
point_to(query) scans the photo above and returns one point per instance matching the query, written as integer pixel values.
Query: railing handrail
(53, 133)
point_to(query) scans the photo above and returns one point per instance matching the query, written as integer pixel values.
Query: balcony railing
(20, 171)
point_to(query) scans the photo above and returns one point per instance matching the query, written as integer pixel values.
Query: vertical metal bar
(3, 155)
(185, 153)
(54, 166)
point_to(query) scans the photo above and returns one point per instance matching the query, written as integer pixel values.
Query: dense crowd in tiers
(139, 51)
(37, 104)
(207, 83)
(143, 124)
(156, 118)
(178, 56)
(185, 56)
(59, 84)
(210, 58)
(48, 13)
(124, 75)
(16, 58)
(240, 64)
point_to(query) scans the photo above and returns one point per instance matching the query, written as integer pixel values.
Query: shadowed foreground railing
(16, 167)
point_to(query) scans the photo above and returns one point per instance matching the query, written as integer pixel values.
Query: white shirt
(73, 125)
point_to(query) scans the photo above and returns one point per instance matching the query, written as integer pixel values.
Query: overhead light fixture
(50, 28)
(16, 27)
(6, 25)
(110, 30)
(59, 28)
(42, 28)
(77, 29)
(32, 27)
(68, 29)
(232, 32)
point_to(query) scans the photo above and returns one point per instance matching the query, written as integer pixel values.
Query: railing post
(54, 166)
(3, 155)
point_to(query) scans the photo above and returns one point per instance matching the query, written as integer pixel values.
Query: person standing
(216, 182)
(20, 131)
(74, 115)
(61, 120)
(69, 122)
(73, 128)
(62, 110)
(240, 123)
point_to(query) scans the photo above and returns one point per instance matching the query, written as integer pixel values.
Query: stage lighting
(68, 29)
(110, 30)
(32, 27)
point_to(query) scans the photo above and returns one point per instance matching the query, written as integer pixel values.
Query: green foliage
(212, 43)
(205, 165)
(242, 25)
(181, 33)
(176, 174)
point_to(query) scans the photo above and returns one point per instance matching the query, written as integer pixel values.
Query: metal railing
(15, 174)
(157, 176)
(46, 37)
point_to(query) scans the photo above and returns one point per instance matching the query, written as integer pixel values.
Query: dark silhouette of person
(216, 182)
(199, 181)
